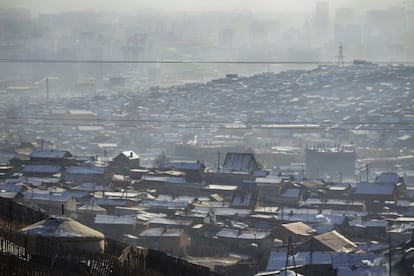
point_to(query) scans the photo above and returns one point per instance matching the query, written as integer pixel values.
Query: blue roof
(84, 170)
(238, 162)
(366, 188)
(10, 187)
(41, 169)
(389, 177)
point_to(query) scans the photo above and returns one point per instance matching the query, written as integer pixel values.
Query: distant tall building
(322, 22)
(334, 163)
(345, 16)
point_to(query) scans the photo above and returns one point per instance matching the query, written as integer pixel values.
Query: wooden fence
(45, 256)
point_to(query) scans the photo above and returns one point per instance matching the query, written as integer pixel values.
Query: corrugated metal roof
(51, 169)
(238, 162)
(299, 228)
(336, 242)
(365, 188)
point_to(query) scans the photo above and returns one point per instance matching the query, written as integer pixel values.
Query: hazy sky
(131, 6)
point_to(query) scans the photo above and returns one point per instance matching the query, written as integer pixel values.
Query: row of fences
(41, 256)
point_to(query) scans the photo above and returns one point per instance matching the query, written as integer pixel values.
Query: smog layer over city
(190, 137)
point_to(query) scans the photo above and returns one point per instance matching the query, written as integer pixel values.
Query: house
(53, 203)
(290, 194)
(237, 168)
(376, 194)
(115, 227)
(170, 240)
(53, 157)
(41, 170)
(297, 231)
(125, 161)
(330, 241)
(244, 163)
(89, 174)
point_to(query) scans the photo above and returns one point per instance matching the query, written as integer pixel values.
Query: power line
(95, 61)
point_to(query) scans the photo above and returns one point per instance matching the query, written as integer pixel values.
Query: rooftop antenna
(340, 60)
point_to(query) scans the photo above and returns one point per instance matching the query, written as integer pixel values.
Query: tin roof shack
(236, 168)
(297, 231)
(87, 174)
(51, 202)
(268, 189)
(290, 194)
(339, 191)
(194, 171)
(376, 194)
(125, 161)
(170, 240)
(331, 241)
(115, 227)
(65, 232)
(171, 182)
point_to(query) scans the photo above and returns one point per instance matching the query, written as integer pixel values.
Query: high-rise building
(322, 22)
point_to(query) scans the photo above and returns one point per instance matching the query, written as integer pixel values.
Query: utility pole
(340, 60)
(389, 256)
(290, 252)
